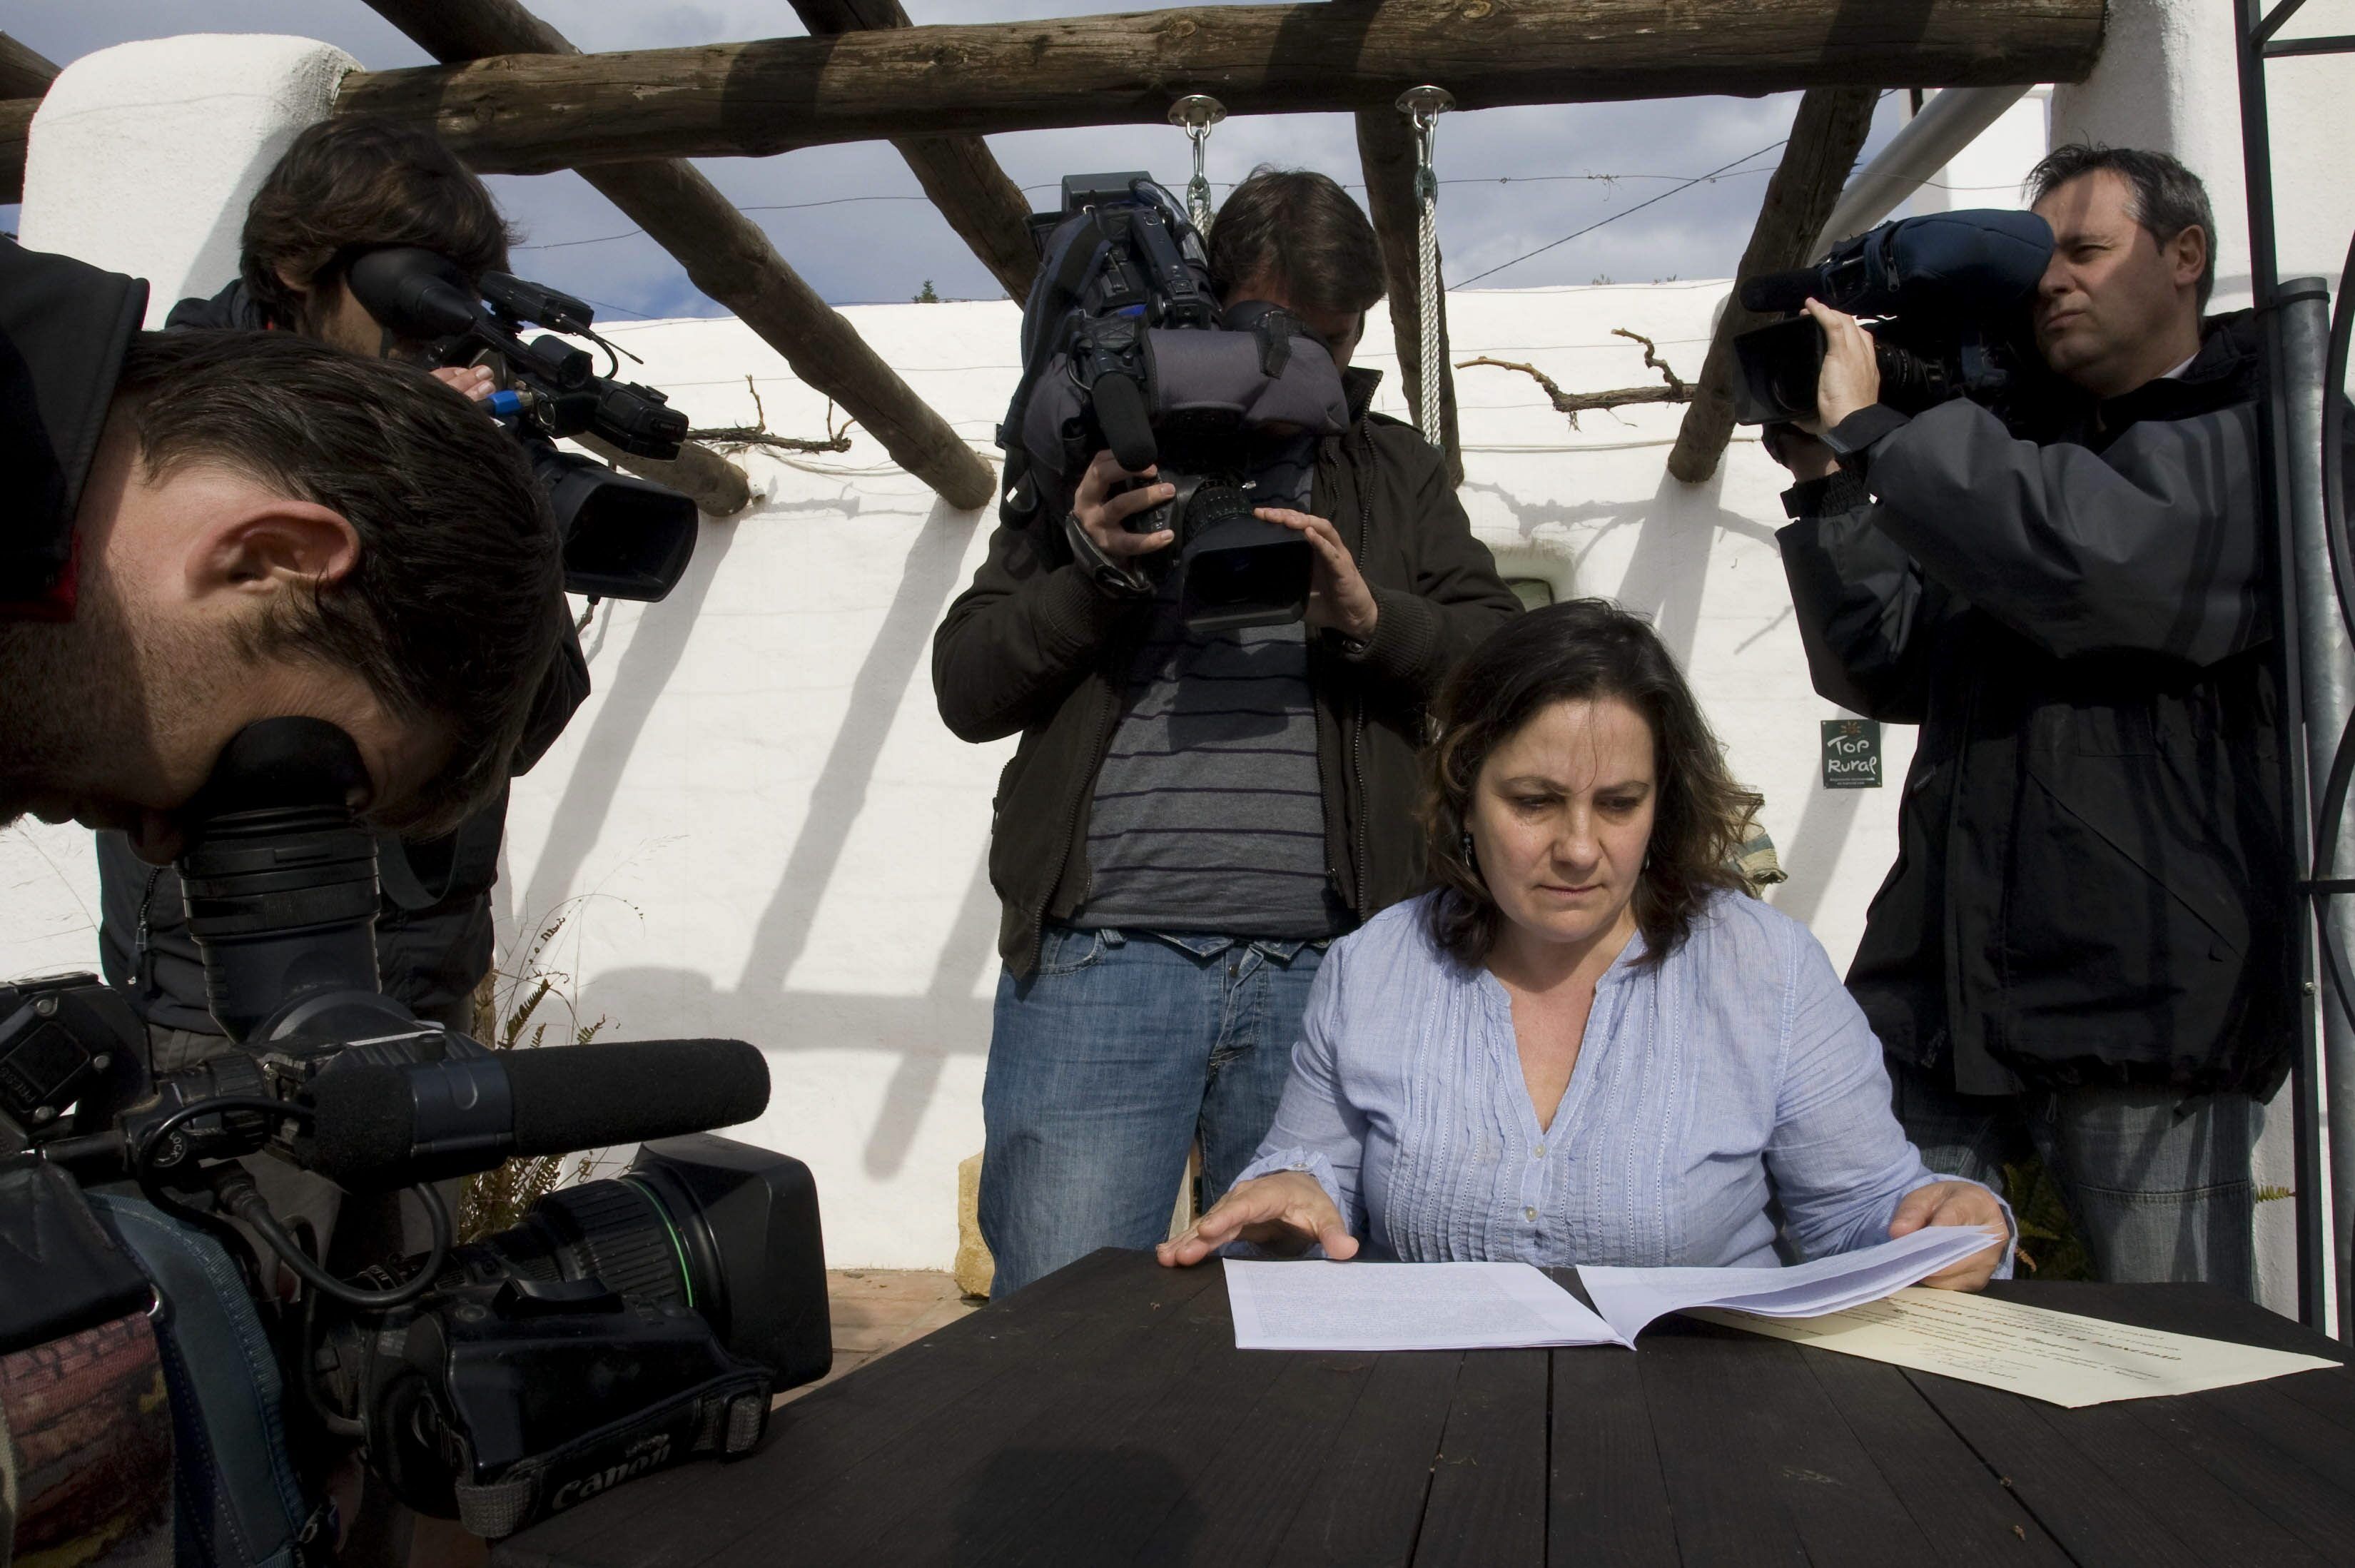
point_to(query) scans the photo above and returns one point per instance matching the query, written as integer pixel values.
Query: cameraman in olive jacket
(2086, 945)
(1191, 817)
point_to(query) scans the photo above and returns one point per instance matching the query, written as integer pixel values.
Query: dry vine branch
(757, 433)
(1677, 390)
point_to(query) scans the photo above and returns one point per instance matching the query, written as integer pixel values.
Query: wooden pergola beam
(1826, 136)
(1386, 152)
(25, 76)
(959, 173)
(531, 114)
(728, 257)
(23, 73)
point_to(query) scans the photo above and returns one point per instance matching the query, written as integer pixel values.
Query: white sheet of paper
(2058, 1357)
(1324, 1305)
(1630, 1298)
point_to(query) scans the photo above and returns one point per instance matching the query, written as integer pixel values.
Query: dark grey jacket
(2093, 881)
(1034, 646)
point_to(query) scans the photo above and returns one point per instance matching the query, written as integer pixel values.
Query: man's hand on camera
(475, 381)
(1850, 379)
(1104, 515)
(1337, 594)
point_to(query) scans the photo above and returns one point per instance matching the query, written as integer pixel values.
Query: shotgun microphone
(380, 1124)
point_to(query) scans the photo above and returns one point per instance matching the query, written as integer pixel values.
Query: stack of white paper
(1630, 1298)
(1324, 1305)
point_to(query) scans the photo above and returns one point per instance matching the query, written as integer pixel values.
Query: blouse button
(1540, 1151)
(1528, 1213)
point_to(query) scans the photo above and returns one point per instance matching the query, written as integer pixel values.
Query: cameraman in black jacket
(2087, 946)
(204, 532)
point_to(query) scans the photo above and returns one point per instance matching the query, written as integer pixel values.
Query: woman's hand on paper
(1285, 1212)
(1956, 1203)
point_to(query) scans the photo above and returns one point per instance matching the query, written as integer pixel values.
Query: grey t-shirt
(1209, 811)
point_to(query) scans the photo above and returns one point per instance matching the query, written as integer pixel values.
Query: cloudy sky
(852, 220)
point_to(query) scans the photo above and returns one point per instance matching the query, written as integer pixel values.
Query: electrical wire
(1720, 172)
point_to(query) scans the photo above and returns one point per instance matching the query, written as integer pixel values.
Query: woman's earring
(1469, 858)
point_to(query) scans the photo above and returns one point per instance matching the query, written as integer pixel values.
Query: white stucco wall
(757, 825)
(142, 157)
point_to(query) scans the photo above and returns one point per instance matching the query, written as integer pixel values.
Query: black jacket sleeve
(1859, 600)
(1015, 643)
(2152, 545)
(1456, 597)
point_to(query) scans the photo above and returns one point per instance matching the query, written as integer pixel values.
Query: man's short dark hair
(1300, 228)
(348, 185)
(2168, 197)
(456, 602)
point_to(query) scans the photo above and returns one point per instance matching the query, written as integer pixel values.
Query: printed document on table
(1325, 1306)
(2058, 1357)
(1630, 1298)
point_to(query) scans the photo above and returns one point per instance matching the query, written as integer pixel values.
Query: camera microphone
(379, 1125)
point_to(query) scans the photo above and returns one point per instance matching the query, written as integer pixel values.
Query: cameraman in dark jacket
(1191, 817)
(2086, 943)
(344, 186)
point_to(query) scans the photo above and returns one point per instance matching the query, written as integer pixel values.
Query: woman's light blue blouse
(1735, 1073)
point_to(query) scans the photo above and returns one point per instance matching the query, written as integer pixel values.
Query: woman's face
(1561, 816)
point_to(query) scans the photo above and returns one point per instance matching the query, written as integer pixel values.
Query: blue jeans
(2158, 1185)
(1120, 1051)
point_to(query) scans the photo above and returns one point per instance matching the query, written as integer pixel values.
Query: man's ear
(2187, 256)
(270, 544)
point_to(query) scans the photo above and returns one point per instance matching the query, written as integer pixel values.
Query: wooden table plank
(1488, 1502)
(1758, 1463)
(1967, 1515)
(1377, 1475)
(986, 1480)
(1607, 1504)
(1272, 1465)
(1114, 1463)
(2275, 1481)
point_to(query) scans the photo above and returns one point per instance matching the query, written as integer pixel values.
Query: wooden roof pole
(729, 258)
(1385, 152)
(1826, 137)
(527, 115)
(985, 208)
(23, 73)
(24, 78)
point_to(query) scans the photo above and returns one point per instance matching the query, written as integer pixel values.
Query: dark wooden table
(1105, 1416)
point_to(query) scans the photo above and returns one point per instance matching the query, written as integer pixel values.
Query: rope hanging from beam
(1423, 106)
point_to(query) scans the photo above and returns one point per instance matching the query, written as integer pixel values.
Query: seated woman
(1590, 1044)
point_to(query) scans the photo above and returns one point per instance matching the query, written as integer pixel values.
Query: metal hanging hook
(1195, 114)
(1423, 106)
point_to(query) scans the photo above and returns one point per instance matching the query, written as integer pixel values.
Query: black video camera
(624, 538)
(624, 1325)
(1126, 349)
(1950, 293)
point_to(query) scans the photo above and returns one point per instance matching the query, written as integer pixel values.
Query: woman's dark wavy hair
(1584, 650)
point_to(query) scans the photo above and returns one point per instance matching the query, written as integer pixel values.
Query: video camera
(1950, 291)
(624, 538)
(623, 1326)
(1125, 348)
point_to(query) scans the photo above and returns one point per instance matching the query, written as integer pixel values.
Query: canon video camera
(624, 1325)
(624, 538)
(1948, 295)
